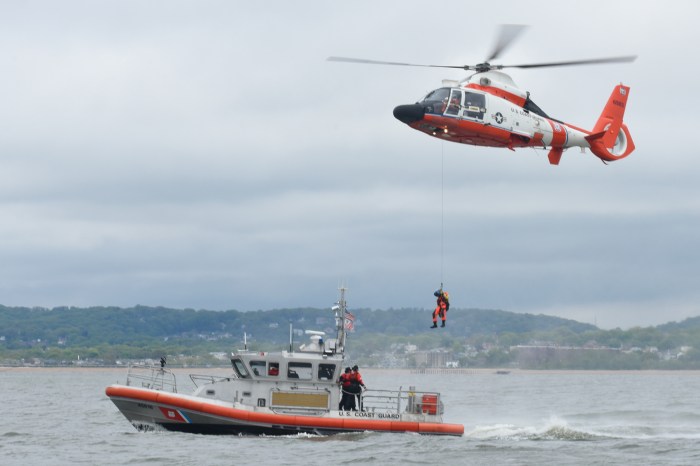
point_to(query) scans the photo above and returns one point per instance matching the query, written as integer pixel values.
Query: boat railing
(151, 376)
(203, 379)
(402, 401)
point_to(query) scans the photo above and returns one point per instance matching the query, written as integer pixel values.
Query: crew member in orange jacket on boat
(347, 401)
(355, 384)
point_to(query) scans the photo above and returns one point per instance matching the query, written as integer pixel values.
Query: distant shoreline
(374, 370)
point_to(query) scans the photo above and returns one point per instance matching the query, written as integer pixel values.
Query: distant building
(434, 358)
(220, 356)
(543, 356)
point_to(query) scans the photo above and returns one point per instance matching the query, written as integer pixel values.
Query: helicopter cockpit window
(474, 105)
(436, 101)
(455, 103)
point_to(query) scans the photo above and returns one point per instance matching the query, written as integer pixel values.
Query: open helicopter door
(454, 105)
(467, 105)
(474, 106)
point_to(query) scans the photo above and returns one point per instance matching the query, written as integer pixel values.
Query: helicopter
(488, 109)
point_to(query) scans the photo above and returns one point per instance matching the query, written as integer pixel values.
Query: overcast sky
(205, 154)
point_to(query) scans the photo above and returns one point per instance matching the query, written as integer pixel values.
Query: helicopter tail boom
(610, 139)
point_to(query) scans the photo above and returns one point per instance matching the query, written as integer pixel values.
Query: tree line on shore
(475, 337)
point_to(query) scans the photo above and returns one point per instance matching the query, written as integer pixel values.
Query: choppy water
(57, 417)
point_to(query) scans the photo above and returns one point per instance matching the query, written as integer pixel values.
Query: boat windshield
(239, 368)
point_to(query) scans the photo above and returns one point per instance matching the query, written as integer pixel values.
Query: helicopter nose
(409, 113)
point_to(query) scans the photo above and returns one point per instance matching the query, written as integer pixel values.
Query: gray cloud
(206, 155)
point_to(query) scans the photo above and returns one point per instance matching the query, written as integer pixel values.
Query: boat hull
(147, 408)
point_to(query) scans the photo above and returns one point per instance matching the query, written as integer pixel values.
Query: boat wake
(553, 429)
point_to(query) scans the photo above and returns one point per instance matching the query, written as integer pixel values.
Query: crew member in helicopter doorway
(443, 305)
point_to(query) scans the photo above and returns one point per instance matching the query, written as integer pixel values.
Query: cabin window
(474, 105)
(326, 371)
(258, 367)
(299, 370)
(273, 369)
(239, 368)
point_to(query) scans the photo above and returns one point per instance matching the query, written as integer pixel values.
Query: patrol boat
(276, 393)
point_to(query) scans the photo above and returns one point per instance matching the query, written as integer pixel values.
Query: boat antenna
(245, 341)
(291, 341)
(340, 309)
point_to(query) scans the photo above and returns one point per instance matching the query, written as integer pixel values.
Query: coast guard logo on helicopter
(498, 117)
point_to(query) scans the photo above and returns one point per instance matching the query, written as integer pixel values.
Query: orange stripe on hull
(281, 419)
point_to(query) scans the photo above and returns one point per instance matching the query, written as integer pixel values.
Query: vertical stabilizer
(610, 139)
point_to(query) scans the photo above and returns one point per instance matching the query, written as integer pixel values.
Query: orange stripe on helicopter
(516, 99)
(460, 130)
(559, 136)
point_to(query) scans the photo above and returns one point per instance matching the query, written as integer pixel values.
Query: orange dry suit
(443, 305)
(356, 378)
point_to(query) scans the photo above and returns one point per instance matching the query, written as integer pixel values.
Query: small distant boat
(276, 393)
(502, 372)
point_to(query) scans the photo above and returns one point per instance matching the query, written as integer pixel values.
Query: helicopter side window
(474, 105)
(455, 103)
(436, 101)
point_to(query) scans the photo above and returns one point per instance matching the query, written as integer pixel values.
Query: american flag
(349, 321)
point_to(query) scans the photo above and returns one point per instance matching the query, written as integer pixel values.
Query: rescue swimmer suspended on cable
(488, 109)
(443, 305)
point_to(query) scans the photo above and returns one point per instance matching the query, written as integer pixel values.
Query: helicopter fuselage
(487, 109)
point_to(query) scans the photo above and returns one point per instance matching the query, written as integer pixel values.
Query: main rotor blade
(506, 36)
(593, 61)
(375, 62)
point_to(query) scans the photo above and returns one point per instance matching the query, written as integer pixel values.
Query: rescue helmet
(355, 367)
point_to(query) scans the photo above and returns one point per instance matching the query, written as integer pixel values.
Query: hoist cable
(442, 211)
